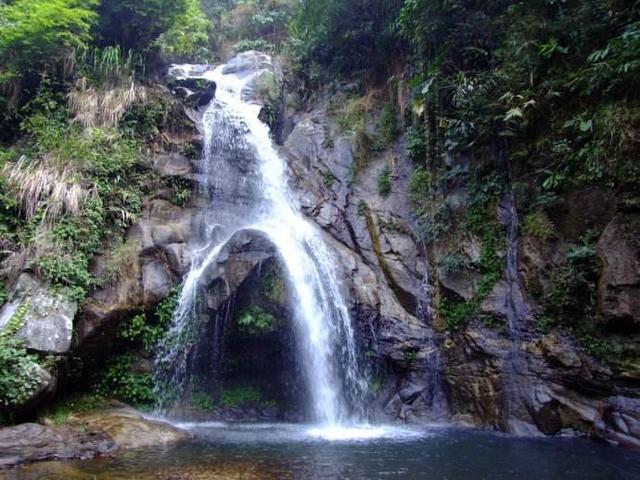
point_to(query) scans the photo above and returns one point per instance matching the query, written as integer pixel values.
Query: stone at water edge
(85, 436)
(129, 428)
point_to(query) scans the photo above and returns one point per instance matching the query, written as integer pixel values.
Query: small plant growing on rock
(416, 145)
(410, 356)
(388, 125)
(328, 179)
(241, 396)
(363, 208)
(384, 181)
(453, 262)
(18, 369)
(255, 320)
(202, 401)
(537, 224)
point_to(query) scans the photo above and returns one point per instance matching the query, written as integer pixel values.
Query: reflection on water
(283, 452)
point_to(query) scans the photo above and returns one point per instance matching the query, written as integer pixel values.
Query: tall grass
(107, 86)
(42, 184)
(103, 106)
(110, 65)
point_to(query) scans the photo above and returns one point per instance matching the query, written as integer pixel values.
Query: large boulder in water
(128, 428)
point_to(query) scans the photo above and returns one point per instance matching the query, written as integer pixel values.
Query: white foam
(337, 433)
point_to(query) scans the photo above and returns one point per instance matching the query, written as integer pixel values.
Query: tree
(40, 34)
(188, 34)
(348, 36)
(136, 24)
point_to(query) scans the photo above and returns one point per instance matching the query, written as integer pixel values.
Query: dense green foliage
(256, 320)
(138, 23)
(345, 36)
(53, 36)
(36, 34)
(240, 396)
(120, 380)
(77, 114)
(19, 375)
(242, 25)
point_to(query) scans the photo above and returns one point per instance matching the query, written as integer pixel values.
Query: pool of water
(282, 452)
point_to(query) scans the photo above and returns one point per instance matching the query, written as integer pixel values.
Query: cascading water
(435, 363)
(517, 309)
(258, 199)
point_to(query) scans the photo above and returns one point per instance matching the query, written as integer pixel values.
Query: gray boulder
(47, 317)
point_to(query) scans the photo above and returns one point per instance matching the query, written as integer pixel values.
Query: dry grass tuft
(37, 184)
(104, 106)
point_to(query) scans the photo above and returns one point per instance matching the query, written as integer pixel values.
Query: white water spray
(327, 345)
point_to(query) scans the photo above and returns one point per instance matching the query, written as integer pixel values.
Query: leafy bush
(388, 125)
(180, 191)
(255, 320)
(202, 401)
(416, 145)
(167, 307)
(37, 34)
(19, 377)
(571, 294)
(453, 262)
(118, 380)
(343, 37)
(148, 331)
(188, 33)
(144, 119)
(537, 224)
(137, 24)
(420, 184)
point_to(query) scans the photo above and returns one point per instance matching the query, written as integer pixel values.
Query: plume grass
(38, 184)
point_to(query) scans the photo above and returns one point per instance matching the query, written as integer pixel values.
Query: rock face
(619, 288)
(46, 318)
(495, 375)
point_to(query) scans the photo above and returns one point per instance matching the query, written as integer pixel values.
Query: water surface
(295, 452)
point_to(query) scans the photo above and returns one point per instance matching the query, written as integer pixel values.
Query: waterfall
(434, 361)
(517, 309)
(245, 183)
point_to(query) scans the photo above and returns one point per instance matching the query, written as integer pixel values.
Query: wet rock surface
(128, 428)
(31, 442)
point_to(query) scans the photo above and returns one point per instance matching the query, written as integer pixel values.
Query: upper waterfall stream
(244, 180)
